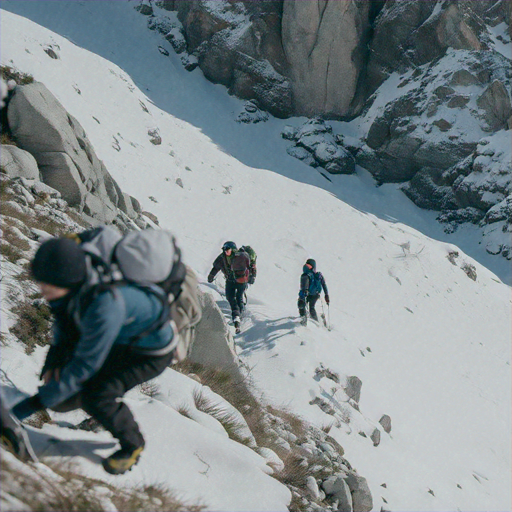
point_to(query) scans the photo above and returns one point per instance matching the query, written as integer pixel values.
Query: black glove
(210, 278)
(251, 279)
(27, 407)
(327, 300)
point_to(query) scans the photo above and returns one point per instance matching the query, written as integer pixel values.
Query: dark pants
(235, 295)
(311, 301)
(123, 370)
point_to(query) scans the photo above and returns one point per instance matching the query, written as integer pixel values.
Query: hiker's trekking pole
(323, 313)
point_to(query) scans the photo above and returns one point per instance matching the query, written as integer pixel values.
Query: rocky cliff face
(324, 46)
(429, 84)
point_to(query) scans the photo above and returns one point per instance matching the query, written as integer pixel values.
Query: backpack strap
(164, 317)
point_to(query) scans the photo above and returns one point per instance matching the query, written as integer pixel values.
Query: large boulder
(213, 344)
(362, 500)
(317, 147)
(323, 43)
(66, 159)
(17, 163)
(495, 102)
(238, 45)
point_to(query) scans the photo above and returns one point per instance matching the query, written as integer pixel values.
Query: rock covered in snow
(316, 146)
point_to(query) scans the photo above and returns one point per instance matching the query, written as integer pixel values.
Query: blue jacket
(311, 283)
(112, 318)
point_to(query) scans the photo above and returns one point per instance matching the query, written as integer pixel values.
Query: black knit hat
(311, 262)
(61, 262)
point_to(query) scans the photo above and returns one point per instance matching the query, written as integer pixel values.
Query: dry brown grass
(238, 394)
(297, 425)
(10, 236)
(10, 252)
(6, 140)
(77, 493)
(10, 73)
(43, 495)
(149, 388)
(33, 323)
(152, 498)
(229, 420)
(38, 419)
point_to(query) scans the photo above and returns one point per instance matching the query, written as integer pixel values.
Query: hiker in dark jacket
(311, 285)
(238, 271)
(100, 347)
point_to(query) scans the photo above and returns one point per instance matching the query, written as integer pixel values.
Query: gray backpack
(146, 257)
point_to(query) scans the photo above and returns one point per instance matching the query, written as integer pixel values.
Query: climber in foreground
(239, 269)
(106, 341)
(311, 285)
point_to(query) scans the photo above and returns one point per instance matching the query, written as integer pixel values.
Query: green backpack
(251, 252)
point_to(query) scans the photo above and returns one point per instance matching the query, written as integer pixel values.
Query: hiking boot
(122, 461)
(313, 315)
(90, 425)
(304, 320)
(236, 323)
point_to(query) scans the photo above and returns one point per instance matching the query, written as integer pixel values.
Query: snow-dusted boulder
(413, 33)
(361, 495)
(317, 147)
(17, 163)
(337, 487)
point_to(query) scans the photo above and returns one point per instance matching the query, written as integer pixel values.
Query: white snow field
(431, 345)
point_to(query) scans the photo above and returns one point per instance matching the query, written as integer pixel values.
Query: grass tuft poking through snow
(227, 419)
(33, 322)
(61, 489)
(10, 73)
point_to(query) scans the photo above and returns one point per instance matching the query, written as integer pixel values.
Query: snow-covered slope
(430, 344)
(190, 97)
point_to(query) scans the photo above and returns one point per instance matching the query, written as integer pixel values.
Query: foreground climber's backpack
(240, 263)
(144, 258)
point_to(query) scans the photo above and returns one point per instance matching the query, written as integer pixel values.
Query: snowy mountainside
(430, 344)
(164, 80)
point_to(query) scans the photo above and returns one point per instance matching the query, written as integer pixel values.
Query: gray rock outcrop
(316, 146)
(213, 344)
(322, 41)
(353, 388)
(66, 159)
(17, 163)
(238, 44)
(350, 490)
(385, 421)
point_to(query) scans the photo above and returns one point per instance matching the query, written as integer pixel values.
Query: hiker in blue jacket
(104, 344)
(311, 285)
